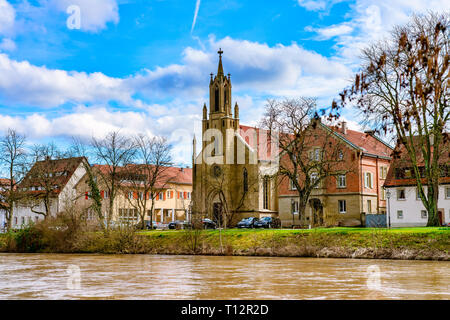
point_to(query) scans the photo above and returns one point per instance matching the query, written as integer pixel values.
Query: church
(235, 174)
(232, 177)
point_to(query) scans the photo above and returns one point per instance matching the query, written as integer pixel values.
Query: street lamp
(388, 196)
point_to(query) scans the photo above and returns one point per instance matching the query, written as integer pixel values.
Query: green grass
(337, 230)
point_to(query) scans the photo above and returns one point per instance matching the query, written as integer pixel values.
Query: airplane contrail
(197, 6)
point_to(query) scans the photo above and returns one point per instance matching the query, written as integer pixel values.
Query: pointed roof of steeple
(220, 69)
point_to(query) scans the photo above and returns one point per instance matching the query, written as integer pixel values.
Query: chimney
(344, 127)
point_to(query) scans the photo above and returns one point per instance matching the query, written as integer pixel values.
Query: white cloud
(95, 15)
(7, 17)
(313, 5)
(371, 20)
(22, 82)
(7, 45)
(331, 31)
(318, 5)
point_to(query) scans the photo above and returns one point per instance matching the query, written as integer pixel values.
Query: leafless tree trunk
(403, 88)
(13, 157)
(113, 151)
(309, 152)
(149, 175)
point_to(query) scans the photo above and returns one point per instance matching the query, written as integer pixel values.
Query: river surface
(78, 276)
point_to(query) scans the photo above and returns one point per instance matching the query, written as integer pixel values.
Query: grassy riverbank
(405, 243)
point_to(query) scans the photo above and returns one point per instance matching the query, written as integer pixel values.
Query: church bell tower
(220, 102)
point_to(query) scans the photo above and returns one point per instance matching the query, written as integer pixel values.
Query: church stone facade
(230, 178)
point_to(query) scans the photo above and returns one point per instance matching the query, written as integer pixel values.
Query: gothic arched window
(245, 178)
(216, 100)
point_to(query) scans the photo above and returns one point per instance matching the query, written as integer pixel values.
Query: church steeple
(220, 92)
(220, 69)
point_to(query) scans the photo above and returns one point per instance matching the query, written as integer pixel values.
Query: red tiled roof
(402, 160)
(173, 175)
(367, 142)
(35, 177)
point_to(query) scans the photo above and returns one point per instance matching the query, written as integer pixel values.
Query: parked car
(265, 222)
(247, 222)
(174, 224)
(209, 224)
(155, 225)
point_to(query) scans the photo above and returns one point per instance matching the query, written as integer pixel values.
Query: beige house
(172, 199)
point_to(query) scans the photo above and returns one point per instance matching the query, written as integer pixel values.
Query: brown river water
(79, 276)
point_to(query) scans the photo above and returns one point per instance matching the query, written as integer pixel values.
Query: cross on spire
(220, 69)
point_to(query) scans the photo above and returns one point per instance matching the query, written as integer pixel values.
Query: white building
(61, 175)
(405, 208)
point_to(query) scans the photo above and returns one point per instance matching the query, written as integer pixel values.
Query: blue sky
(143, 66)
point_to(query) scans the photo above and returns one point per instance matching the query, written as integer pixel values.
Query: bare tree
(150, 175)
(80, 149)
(309, 151)
(403, 88)
(223, 186)
(13, 157)
(45, 179)
(114, 151)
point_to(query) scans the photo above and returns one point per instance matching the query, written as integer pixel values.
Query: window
(216, 100)
(130, 195)
(341, 155)
(383, 194)
(245, 178)
(383, 172)
(424, 214)
(342, 206)
(400, 214)
(369, 206)
(292, 185)
(368, 180)
(22, 220)
(447, 193)
(314, 177)
(141, 195)
(342, 181)
(317, 154)
(266, 186)
(161, 196)
(294, 207)
(401, 195)
(106, 194)
(36, 219)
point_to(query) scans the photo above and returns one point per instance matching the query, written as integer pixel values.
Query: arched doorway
(317, 212)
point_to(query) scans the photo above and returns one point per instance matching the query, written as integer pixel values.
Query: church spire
(220, 69)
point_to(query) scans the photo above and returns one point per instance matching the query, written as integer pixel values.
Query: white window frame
(314, 176)
(344, 176)
(422, 214)
(291, 185)
(447, 192)
(345, 206)
(399, 214)
(369, 207)
(366, 184)
(398, 194)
